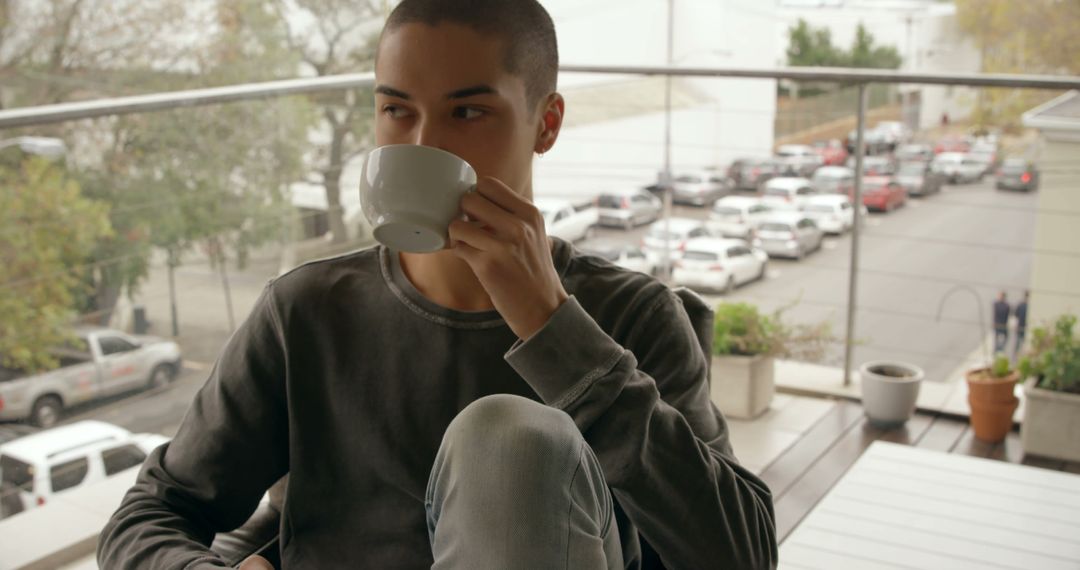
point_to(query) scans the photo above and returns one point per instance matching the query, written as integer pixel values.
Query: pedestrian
(504, 402)
(1021, 324)
(1001, 323)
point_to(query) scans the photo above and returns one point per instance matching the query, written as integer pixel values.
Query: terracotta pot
(992, 420)
(985, 388)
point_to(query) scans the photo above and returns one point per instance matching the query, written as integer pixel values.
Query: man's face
(446, 87)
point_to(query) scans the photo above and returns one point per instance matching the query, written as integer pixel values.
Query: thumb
(256, 562)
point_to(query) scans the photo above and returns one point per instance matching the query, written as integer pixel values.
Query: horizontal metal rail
(46, 114)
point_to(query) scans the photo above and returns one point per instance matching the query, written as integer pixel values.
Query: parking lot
(968, 234)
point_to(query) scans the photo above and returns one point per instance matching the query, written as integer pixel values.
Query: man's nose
(429, 133)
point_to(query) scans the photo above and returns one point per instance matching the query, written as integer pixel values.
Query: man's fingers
(255, 562)
(481, 209)
(473, 234)
(493, 189)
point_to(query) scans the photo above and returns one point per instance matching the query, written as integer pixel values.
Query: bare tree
(334, 37)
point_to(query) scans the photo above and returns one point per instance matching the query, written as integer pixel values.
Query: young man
(1002, 310)
(1021, 311)
(504, 403)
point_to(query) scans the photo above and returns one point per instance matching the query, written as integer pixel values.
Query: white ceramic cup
(410, 194)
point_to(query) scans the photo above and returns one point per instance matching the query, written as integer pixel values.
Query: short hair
(524, 26)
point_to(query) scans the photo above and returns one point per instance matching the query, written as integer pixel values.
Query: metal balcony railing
(34, 116)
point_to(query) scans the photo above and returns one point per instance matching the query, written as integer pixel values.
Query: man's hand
(505, 244)
(255, 562)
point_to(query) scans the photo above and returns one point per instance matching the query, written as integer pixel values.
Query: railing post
(856, 229)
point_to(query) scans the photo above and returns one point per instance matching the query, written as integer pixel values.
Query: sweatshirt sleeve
(231, 446)
(664, 448)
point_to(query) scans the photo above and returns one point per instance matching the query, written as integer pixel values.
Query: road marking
(196, 365)
(873, 222)
(829, 244)
(914, 203)
(775, 273)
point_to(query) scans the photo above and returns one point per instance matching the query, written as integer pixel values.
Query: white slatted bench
(911, 508)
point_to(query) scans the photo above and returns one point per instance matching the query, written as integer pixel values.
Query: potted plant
(890, 391)
(992, 397)
(745, 346)
(1051, 423)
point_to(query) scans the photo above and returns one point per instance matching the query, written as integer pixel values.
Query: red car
(832, 152)
(882, 193)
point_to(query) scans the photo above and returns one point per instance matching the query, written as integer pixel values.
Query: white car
(713, 264)
(37, 467)
(833, 180)
(699, 188)
(568, 221)
(799, 158)
(737, 216)
(627, 256)
(682, 231)
(628, 208)
(958, 167)
(789, 234)
(832, 213)
(787, 193)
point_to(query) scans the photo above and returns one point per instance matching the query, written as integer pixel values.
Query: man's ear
(550, 122)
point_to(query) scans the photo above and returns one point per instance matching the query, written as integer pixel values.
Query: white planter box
(742, 386)
(1051, 423)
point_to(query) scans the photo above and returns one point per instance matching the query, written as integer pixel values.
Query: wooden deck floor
(802, 475)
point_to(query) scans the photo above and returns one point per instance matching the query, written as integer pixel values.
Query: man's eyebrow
(472, 92)
(390, 91)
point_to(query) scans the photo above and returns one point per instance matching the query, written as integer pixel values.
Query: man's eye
(467, 113)
(394, 112)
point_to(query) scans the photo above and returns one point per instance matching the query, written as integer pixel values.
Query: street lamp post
(666, 183)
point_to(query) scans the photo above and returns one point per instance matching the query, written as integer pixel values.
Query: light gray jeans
(515, 486)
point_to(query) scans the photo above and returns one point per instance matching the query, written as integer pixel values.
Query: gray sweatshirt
(346, 377)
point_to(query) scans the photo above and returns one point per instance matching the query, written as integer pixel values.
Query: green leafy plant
(741, 329)
(1001, 367)
(1054, 356)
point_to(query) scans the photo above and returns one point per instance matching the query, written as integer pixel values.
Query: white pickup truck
(568, 221)
(102, 363)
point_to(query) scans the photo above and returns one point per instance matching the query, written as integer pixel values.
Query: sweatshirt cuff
(566, 356)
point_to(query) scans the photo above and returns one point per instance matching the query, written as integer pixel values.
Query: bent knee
(505, 420)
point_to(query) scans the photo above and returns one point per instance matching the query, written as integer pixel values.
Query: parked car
(789, 234)
(952, 144)
(567, 221)
(833, 180)
(699, 188)
(893, 133)
(629, 257)
(799, 159)
(914, 153)
(682, 230)
(713, 264)
(35, 468)
(883, 194)
(874, 142)
(958, 167)
(735, 170)
(919, 179)
(102, 362)
(1017, 174)
(832, 152)
(986, 156)
(755, 173)
(786, 193)
(832, 213)
(628, 208)
(737, 216)
(874, 165)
